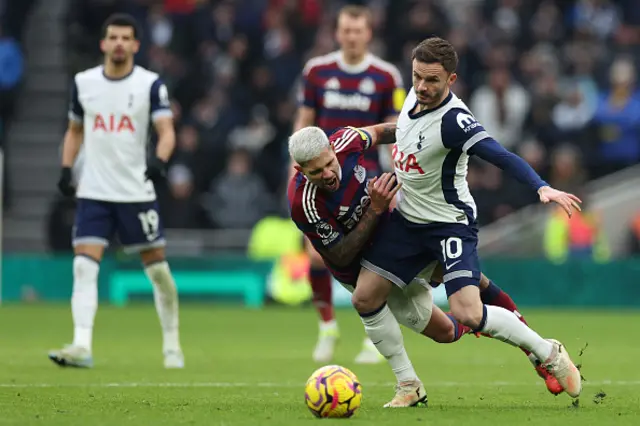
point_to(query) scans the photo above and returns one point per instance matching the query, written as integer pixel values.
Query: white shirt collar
(356, 68)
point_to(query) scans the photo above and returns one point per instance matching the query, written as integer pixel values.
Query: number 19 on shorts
(150, 222)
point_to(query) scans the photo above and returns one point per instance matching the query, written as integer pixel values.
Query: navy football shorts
(137, 225)
(401, 249)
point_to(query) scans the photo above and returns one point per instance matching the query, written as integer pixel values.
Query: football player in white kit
(436, 220)
(112, 107)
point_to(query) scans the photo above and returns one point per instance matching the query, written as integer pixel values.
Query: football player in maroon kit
(348, 87)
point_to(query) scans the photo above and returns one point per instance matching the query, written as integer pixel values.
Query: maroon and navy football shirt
(352, 95)
(325, 217)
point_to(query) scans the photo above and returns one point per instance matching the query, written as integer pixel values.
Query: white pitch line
(289, 385)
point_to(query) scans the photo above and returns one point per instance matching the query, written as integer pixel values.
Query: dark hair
(436, 50)
(121, 20)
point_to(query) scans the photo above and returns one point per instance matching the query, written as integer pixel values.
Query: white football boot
(560, 365)
(409, 394)
(327, 339)
(173, 359)
(72, 356)
(369, 354)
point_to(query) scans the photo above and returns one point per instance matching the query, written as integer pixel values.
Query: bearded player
(349, 87)
(435, 219)
(112, 107)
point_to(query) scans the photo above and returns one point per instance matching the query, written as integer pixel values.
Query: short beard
(118, 61)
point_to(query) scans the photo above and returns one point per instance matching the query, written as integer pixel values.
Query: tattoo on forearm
(388, 135)
(351, 244)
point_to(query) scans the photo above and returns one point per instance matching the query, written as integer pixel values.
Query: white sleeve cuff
(474, 140)
(75, 117)
(161, 113)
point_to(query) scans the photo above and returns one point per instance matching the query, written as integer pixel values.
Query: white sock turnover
(84, 300)
(165, 296)
(504, 325)
(384, 331)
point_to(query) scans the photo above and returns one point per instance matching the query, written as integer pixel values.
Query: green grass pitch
(249, 367)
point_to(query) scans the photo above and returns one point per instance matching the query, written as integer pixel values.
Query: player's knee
(153, 255)
(91, 251)
(85, 269)
(371, 291)
(366, 301)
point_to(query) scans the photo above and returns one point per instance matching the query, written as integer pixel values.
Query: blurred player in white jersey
(112, 107)
(436, 220)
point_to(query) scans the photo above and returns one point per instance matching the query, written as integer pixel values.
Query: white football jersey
(430, 159)
(117, 115)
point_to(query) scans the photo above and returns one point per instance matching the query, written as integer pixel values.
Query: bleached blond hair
(307, 143)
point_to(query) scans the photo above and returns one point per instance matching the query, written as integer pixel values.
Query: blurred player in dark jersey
(348, 87)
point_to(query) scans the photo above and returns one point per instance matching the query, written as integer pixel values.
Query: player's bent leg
(464, 299)
(369, 354)
(321, 286)
(84, 304)
(444, 328)
(165, 296)
(382, 327)
(491, 294)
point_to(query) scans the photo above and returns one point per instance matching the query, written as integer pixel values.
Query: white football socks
(384, 331)
(165, 296)
(84, 300)
(504, 325)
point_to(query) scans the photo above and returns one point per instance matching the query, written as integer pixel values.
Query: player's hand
(156, 170)
(567, 201)
(382, 190)
(64, 183)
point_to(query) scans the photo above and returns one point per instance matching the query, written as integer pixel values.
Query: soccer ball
(333, 391)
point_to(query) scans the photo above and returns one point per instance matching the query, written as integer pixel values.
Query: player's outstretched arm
(70, 147)
(461, 131)
(491, 151)
(381, 191)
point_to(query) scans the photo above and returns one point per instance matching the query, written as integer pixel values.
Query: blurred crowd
(553, 80)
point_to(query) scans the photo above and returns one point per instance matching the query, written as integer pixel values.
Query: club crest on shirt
(367, 86)
(360, 173)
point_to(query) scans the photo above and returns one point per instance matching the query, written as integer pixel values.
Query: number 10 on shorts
(451, 249)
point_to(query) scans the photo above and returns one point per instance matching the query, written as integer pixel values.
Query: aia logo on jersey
(113, 124)
(405, 163)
